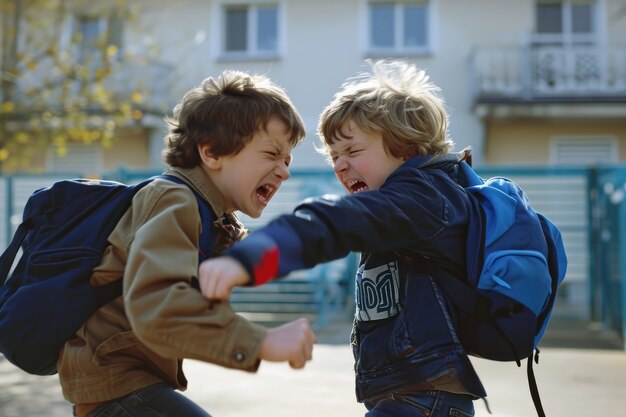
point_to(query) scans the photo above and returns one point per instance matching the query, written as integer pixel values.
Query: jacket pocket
(125, 341)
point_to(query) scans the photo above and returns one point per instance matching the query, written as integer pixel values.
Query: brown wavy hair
(225, 112)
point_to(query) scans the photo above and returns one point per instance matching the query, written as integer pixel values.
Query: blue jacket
(404, 336)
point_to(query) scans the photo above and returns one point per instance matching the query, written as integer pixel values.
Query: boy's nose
(340, 164)
(282, 171)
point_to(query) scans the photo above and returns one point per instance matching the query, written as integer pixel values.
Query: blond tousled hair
(396, 100)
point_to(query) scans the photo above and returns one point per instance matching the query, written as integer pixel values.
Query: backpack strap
(207, 218)
(532, 383)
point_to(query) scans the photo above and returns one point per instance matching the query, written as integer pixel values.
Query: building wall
(324, 42)
(527, 141)
(461, 27)
(129, 149)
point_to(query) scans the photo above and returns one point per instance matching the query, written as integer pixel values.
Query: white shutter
(583, 151)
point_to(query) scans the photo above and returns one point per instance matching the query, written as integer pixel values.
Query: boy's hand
(292, 342)
(218, 277)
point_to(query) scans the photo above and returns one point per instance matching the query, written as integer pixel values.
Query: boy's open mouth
(265, 192)
(356, 186)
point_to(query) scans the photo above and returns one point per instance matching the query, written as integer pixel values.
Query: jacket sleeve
(166, 313)
(409, 210)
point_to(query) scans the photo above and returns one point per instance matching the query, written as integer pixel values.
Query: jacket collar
(435, 161)
(202, 184)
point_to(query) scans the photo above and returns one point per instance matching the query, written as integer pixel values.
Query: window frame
(399, 10)
(252, 51)
(567, 36)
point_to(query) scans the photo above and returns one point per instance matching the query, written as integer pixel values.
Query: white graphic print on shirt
(377, 292)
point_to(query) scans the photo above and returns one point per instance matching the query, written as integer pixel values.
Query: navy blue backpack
(515, 263)
(63, 235)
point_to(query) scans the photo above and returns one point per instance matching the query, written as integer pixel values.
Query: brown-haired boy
(230, 140)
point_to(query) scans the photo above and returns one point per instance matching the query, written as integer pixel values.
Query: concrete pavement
(581, 372)
(586, 378)
(571, 383)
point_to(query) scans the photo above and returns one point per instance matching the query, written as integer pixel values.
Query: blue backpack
(515, 263)
(63, 235)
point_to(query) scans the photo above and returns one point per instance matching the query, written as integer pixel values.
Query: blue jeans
(422, 404)
(159, 400)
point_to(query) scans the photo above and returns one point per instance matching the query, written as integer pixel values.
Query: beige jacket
(141, 338)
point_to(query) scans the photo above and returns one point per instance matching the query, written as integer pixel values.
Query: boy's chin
(255, 214)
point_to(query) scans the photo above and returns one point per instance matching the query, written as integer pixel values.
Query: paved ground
(582, 372)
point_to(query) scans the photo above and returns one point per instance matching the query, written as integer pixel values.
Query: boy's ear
(212, 162)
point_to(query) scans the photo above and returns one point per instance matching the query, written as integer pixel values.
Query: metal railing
(542, 72)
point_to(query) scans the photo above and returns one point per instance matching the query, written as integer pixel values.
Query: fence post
(594, 217)
(622, 276)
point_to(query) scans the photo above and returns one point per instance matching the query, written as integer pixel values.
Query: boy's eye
(347, 153)
(279, 156)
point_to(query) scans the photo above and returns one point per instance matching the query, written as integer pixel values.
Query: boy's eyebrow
(346, 147)
(276, 147)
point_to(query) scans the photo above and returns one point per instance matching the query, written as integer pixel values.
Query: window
(250, 30)
(564, 51)
(566, 21)
(97, 32)
(89, 30)
(399, 27)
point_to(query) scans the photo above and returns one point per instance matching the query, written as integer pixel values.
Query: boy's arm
(291, 342)
(407, 211)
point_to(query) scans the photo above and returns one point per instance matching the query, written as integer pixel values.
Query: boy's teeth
(266, 191)
(356, 186)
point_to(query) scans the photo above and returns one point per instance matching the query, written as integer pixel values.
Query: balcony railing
(544, 73)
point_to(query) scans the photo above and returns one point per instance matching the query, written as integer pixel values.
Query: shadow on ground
(577, 333)
(565, 330)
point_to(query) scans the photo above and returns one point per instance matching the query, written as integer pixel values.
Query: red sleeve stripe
(267, 268)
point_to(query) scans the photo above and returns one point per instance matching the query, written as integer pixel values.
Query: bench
(319, 294)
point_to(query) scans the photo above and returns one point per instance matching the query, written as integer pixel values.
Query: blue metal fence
(608, 230)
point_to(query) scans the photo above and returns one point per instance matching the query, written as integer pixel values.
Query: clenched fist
(291, 342)
(218, 277)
